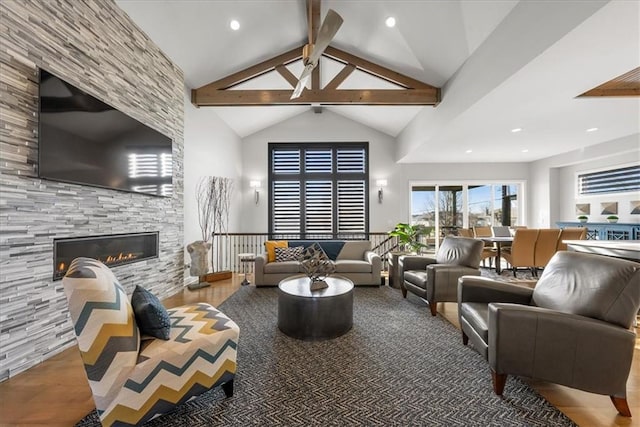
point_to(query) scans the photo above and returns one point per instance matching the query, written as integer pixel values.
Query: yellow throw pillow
(271, 246)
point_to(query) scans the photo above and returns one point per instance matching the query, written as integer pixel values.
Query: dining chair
(570, 233)
(465, 232)
(522, 250)
(489, 251)
(545, 248)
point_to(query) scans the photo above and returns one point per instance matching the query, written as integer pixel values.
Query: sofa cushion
(590, 285)
(477, 314)
(417, 277)
(271, 245)
(282, 267)
(151, 316)
(201, 353)
(289, 254)
(354, 250)
(352, 266)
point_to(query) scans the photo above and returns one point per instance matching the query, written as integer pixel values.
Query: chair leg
(433, 306)
(228, 388)
(621, 405)
(514, 272)
(498, 380)
(465, 339)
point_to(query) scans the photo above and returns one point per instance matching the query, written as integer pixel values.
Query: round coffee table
(322, 314)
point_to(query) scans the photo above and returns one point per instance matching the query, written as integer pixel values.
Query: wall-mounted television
(83, 140)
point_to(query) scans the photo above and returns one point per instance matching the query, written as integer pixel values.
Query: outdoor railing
(228, 247)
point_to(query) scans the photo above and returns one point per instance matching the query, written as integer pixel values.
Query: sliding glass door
(446, 207)
(423, 211)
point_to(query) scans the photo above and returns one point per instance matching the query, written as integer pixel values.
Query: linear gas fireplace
(112, 250)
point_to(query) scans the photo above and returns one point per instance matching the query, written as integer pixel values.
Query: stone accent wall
(94, 45)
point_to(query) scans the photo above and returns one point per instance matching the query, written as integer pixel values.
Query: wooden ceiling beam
(326, 97)
(255, 70)
(632, 92)
(313, 11)
(340, 77)
(287, 75)
(313, 20)
(376, 69)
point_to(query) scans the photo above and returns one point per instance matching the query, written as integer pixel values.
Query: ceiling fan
(311, 53)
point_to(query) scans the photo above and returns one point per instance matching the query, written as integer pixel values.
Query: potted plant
(583, 218)
(612, 218)
(408, 236)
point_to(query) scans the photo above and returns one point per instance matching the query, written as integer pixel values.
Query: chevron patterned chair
(133, 381)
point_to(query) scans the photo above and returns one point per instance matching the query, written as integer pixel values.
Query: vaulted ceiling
(501, 64)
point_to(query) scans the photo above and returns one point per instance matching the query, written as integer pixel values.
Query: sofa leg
(433, 306)
(621, 405)
(465, 339)
(404, 291)
(228, 388)
(499, 380)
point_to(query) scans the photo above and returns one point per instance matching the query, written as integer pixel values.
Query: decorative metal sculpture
(317, 265)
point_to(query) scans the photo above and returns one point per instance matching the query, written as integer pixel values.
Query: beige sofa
(352, 259)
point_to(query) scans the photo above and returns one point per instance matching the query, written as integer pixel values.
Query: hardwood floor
(56, 392)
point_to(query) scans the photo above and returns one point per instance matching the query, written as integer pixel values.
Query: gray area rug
(398, 366)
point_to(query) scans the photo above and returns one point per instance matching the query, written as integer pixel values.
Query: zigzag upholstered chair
(133, 382)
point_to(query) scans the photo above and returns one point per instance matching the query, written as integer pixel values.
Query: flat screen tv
(83, 140)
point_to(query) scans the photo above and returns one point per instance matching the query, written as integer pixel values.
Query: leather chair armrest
(563, 348)
(485, 290)
(414, 262)
(442, 280)
(258, 271)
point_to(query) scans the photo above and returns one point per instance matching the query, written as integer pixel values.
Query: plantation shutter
(610, 181)
(318, 191)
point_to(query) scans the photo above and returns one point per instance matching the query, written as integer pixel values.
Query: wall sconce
(256, 188)
(381, 183)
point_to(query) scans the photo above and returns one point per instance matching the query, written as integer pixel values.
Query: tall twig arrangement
(213, 194)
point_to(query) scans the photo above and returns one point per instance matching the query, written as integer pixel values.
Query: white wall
(553, 192)
(331, 127)
(211, 148)
(311, 127)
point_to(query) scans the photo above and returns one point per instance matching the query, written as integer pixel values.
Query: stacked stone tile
(95, 46)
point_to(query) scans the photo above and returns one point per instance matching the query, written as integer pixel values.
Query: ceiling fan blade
(328, 30)
(302, 81)
(330, 26)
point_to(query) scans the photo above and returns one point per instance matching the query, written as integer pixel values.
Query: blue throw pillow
(151, 316)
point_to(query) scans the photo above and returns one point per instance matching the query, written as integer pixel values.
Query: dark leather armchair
(572, 329)
(436, 279)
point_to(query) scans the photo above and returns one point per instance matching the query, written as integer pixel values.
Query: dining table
(498, 241)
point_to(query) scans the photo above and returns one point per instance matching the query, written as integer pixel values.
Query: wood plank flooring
(56, 392)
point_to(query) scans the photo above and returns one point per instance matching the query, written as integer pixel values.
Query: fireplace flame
(119, 258)
(62, 266)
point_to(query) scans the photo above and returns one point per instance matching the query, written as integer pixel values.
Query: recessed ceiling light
(234, 25)
(525, 150)
(390, 22)
(469, 151)
(592, 129)
(516, 130)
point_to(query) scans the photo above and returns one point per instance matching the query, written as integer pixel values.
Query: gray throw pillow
(151, 316)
